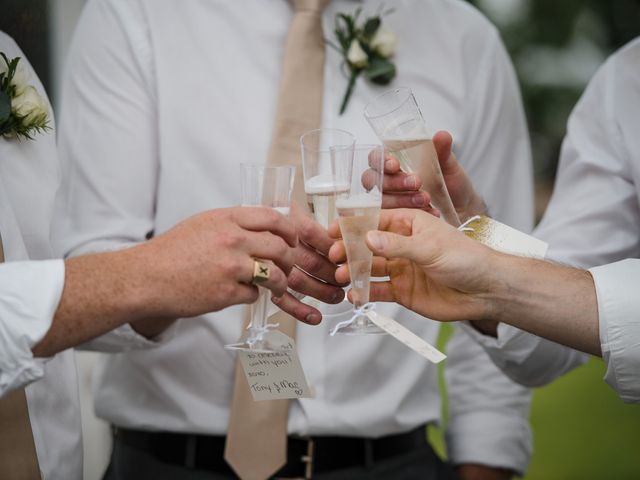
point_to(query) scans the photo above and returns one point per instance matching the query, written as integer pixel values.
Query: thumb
(443, 142)
(390, 245)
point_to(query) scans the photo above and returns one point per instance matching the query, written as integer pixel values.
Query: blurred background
(582, 430)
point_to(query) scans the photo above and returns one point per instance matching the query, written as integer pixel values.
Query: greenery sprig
(23, 111)
(366, 49)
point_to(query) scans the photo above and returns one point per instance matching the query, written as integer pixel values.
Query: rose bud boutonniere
(23, 111)
(367, 49)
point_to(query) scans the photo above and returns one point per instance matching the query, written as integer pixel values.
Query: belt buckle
(308, 464)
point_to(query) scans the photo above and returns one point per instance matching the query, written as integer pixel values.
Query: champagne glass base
(265, 345)
(362, 328)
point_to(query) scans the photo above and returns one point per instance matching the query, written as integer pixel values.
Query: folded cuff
(619, 320)
(31, 293)
(489, 438)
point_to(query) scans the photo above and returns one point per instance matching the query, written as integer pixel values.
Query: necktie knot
(316, 6)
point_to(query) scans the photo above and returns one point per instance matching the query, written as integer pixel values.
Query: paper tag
(407, 337)
(275, 375)
(504, 238)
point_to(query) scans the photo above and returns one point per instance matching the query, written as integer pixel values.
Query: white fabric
(619, 312)
(593, 219)
(25, 319)
(162, 102)
(30, 292)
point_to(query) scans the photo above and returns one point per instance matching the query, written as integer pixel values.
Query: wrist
(495, 292)
(145, 295)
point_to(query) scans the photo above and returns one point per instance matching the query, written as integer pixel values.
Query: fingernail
(377, 240)
(418, 200)
(312, 318)
(410, 182)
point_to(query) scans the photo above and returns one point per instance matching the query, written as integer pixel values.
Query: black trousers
(129, 463)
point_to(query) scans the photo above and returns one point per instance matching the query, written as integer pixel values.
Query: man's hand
(201, 265)
(402, 190)
(434, 269)
(206, 262)
(314, 273)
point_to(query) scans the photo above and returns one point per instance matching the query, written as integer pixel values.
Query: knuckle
(309, 261)
(234, 239)
(281, 249)
(271, 215)
(306, 229)
(231, 266)
(296, 279)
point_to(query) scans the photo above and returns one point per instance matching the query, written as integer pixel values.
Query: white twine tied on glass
(362, 311)
(258, 333)
(465, 226)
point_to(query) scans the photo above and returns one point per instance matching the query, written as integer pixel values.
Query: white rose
(31, 107)
(356, 55)
(21, 79)
(384, 42)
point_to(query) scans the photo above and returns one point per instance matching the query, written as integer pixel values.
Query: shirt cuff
(489, 438)
(30, 296)
(619, 319)
(126, 339)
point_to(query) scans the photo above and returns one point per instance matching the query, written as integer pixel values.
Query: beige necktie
(18, 457)
(256, 444)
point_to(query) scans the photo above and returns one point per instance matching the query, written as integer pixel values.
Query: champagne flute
(398, 122)
(319, 148)
(359, 212)
(269, 187)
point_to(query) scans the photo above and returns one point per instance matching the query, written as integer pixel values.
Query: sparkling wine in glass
(268, 187)
(319, 149)
(398, 122)
(358, 213)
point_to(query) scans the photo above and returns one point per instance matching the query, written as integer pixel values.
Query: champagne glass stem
(259, 310)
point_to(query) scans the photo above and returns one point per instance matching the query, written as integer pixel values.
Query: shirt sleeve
(107, 134)
(107, 144)
(525, 358)
(488, 413)
(619, 317)
(592, 219)
(29, 296)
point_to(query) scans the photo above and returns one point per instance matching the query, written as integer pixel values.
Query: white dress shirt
(162, 102)
(593, 219)
(29, 295)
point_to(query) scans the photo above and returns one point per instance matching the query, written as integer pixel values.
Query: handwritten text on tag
(275, 375)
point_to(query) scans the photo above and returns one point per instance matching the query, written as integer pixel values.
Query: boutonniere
(23, 111)
(366, 48)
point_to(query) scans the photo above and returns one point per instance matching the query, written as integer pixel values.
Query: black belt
(304, 455)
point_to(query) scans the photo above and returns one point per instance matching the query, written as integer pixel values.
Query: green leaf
(371, 26)
(380, 71)
(5, 107)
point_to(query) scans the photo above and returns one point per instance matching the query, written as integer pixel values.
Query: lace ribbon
(465, 228)
(362, 311)
(258, 333)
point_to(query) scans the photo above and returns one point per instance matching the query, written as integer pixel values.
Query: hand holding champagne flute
(398, 122)
(270, 187)
(358, 212)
